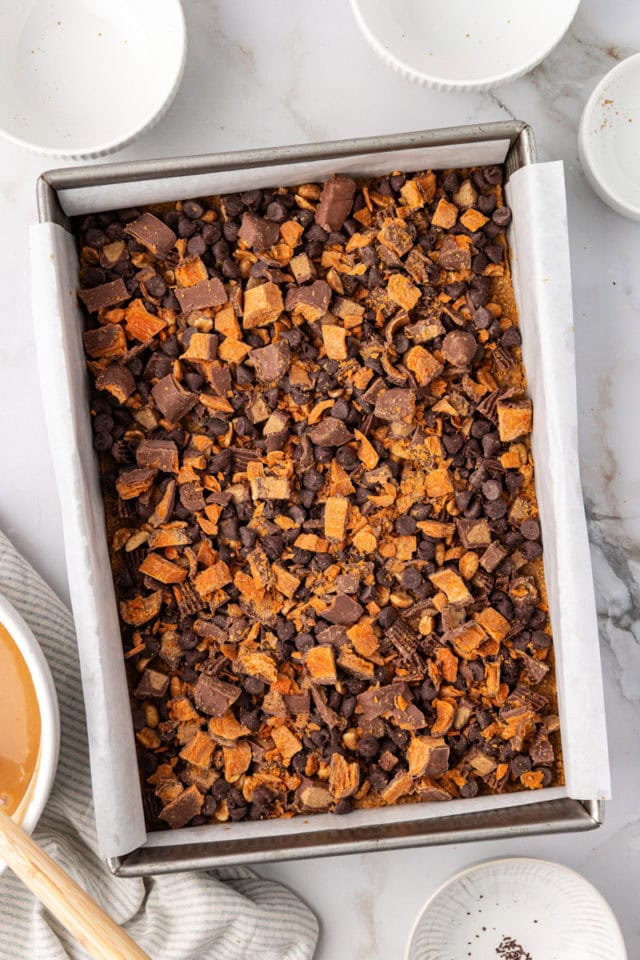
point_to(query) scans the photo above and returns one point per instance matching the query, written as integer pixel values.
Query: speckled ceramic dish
(516, 909)
(609, 140)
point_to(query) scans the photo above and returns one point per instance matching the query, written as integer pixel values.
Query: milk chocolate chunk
(186, 806)
(118, 381)
(330, 433)
(344, 611)
(312, 300)
(206, 293)
(153, 234)
(173, 401)
(158, 454)
(335, 202)
(272, 362)
(153, 684)
(459, 347)
(220, 378)
(454, 257)
(257, 233)
(104, 295)
(396, 405)
(192, 497)
(213, 696)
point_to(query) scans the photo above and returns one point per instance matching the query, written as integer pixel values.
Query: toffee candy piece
(105, 295)
(335, 203)
(153, 234)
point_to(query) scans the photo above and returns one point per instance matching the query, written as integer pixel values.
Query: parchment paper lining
(540, 259)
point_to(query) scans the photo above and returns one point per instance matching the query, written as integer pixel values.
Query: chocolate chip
(530, 529)
(502, 217)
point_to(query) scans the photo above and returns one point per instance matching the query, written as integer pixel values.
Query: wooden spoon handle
(101, 937)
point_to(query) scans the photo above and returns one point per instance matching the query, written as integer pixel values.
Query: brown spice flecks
(509, 949)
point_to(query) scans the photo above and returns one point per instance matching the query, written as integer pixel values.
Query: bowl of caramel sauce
(29, 721)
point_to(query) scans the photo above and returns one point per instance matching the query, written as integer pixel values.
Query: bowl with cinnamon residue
(29, 721)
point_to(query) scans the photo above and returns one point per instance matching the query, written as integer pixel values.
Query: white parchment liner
(541, 273)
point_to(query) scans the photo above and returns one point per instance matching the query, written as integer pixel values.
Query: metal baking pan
(548, 816)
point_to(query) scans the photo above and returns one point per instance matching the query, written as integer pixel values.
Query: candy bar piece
(118, 381)
(311, 301)
(104, 295)
(335, 203)
(158, 454)
(258, 233)
(184, 808)
(105, 342)
(153, 684)
(207, 293)
(262, 305)
(428, 756)
(173, 401)
(344, 610)
(397, 405)
(454, 256)
(153, 234)
(214, 696)
(515, 418)
(272, 362)
(330, 433)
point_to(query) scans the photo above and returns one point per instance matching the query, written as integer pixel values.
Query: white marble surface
(277, 72)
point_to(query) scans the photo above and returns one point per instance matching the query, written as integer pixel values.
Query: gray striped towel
(220, 915)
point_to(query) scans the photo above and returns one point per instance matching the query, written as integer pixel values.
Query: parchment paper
(543, 291)
(81, 200)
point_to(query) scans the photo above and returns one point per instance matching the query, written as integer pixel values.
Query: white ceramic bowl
(548, 910)
(30, 809)
(609, 138)
(82, 78)
(469, 45)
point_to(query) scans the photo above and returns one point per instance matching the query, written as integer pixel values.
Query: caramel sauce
(19, 725)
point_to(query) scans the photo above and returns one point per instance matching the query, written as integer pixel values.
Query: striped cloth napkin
(226, 914)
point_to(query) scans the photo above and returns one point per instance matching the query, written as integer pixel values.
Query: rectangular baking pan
(549, 816)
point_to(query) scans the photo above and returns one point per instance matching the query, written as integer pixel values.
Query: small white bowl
(82, 78)
(609, 138)
(469, 45)
(546, 909)
(37, 794)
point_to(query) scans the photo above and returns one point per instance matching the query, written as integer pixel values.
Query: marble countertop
(277, 73)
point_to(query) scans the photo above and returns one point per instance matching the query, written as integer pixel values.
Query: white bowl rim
(95, 150)
(584, 138)
(482, 83)
(474, 867)
(30, 649)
